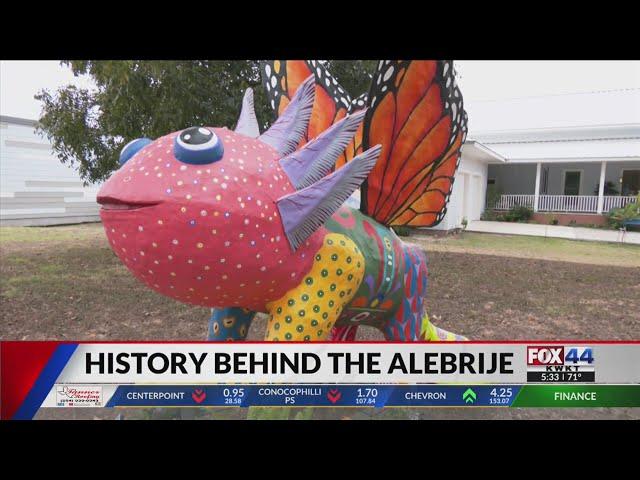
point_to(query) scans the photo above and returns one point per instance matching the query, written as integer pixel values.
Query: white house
(570, 158)
(35, 188)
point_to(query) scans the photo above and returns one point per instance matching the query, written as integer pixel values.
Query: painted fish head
(193, 215)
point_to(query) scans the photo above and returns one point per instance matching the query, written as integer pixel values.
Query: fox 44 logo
(559, 363)
(559, 355)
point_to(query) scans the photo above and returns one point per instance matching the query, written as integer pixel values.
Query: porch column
(603, 169)
(536, 197)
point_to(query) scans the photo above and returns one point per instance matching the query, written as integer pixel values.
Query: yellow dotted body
(309, 311)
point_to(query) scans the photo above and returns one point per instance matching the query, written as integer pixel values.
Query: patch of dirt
(503, 298)
(85, 293)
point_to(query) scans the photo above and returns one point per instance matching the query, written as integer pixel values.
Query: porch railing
(563, 203)
(568, 203)
(617, 202)
(507, 202)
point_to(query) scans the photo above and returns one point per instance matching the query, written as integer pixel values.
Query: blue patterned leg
(410, 323)
(405, 325)
(230, 323)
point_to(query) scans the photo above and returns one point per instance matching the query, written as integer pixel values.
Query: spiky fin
(313, 161)
(304, 211)
(248, 122)
(287, 131)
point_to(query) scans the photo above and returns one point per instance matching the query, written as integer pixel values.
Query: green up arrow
(469, 396)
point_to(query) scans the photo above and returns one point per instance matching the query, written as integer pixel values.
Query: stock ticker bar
(378, 396)
(210, 374)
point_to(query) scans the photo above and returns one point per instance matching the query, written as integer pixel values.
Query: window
(630, 182)
(572, 182)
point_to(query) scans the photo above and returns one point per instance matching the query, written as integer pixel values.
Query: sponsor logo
(78, 396)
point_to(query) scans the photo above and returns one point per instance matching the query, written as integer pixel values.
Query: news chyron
(560, 364)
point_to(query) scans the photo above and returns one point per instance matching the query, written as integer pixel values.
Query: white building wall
(468, 194)
(35, 188)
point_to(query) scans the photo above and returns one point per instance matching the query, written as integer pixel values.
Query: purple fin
(248, 123)
(313, 161)
(304, 211)
(287, 131)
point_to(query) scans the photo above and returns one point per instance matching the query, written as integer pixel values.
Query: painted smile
(111, 204)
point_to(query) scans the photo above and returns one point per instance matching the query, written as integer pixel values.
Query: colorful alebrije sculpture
(246, 222)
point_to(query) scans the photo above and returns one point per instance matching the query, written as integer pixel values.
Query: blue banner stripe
(45, 381)
(115, 398)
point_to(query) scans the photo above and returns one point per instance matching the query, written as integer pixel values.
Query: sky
(480, 80)
(21, 80)
(497, 80)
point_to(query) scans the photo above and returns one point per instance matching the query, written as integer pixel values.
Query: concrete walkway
(556, 231)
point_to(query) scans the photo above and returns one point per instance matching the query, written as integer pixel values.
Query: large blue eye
(198, 145)
(133, 147)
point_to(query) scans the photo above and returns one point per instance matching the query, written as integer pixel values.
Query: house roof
(577, 127)
(18, 120)
(479, 151)
(569, 151)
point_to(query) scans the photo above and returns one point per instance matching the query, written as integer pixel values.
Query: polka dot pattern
(310, 310)
(273, 78)
(211, 234)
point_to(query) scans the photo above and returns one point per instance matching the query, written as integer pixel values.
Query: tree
(354, 75)
(141, 99)
(134, 99)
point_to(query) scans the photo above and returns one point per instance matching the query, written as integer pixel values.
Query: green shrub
(518, 213)
(491, 215)
(618, 216)
(554, 221)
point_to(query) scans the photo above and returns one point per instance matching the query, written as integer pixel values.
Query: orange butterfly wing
(281, 79)
(355, 146)
(417, 115)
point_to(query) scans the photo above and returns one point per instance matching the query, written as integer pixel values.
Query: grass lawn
(522, 246)
(65, 283)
